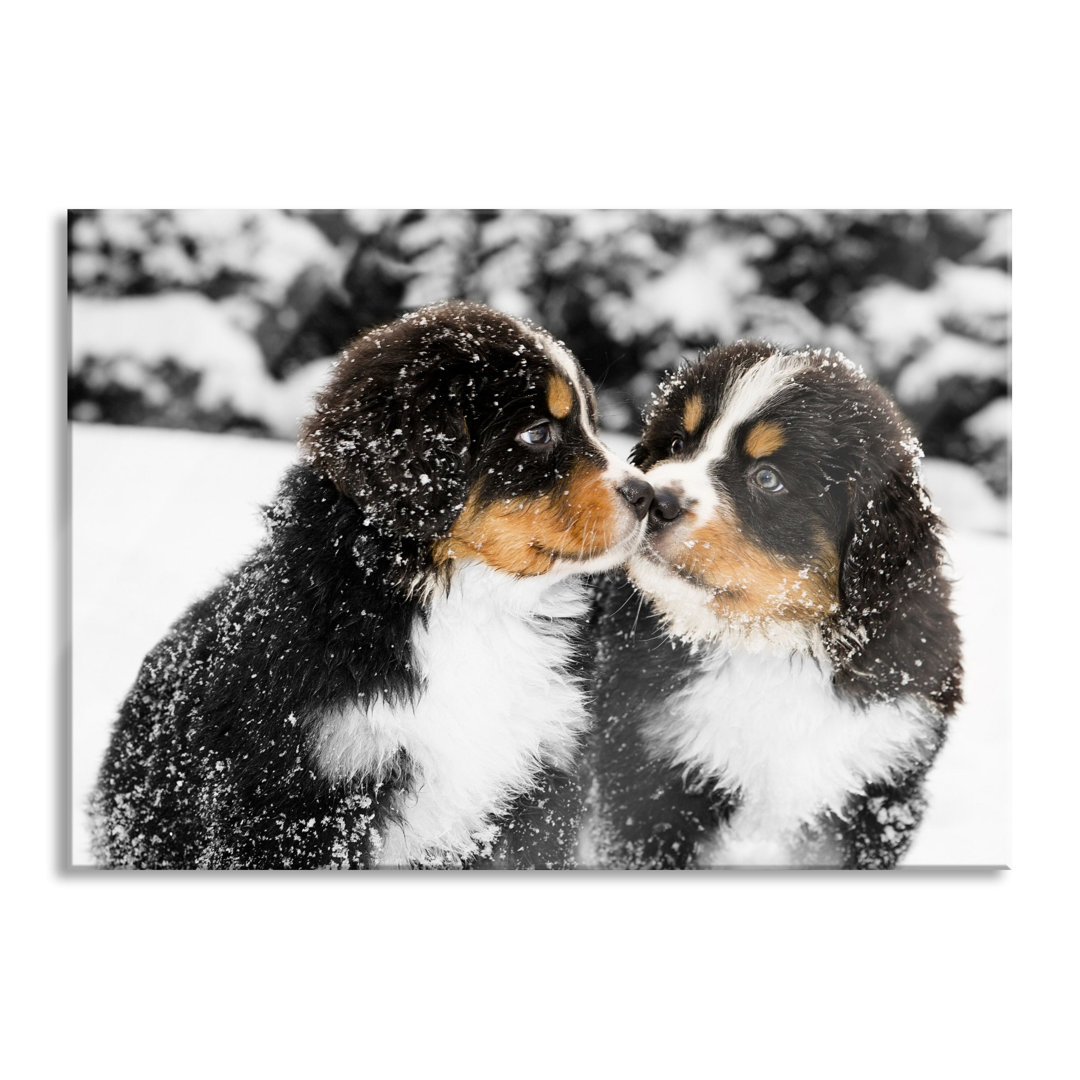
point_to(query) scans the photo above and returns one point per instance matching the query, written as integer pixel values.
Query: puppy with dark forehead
(775, 677)
(392, 677)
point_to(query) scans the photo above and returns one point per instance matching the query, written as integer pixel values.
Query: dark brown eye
(677, 445)
(537, 435)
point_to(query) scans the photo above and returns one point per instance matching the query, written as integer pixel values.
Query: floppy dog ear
(391, 434)
(891, 550)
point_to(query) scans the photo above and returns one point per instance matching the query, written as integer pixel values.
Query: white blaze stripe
(691, 479)
(746, 398)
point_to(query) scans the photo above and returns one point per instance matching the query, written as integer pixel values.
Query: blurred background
(225, 321)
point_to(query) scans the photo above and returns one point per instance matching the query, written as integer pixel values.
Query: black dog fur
(213, 761)
(887, 642)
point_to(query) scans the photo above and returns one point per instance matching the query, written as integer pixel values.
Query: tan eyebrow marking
(764, 438)
(693, 411)
(560, 397)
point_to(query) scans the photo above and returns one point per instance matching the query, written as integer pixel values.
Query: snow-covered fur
(776, 670)
(393, 677)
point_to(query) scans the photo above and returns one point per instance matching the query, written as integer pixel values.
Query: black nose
(665, 508)
(638, 493)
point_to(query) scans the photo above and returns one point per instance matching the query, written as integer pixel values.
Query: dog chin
(681, 604)
(685, 608)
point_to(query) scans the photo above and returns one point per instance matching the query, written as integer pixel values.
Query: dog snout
(638, 493)
(666, 507)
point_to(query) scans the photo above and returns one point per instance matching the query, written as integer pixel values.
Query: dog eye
(768, 479)
(677, 445)
(537, 435)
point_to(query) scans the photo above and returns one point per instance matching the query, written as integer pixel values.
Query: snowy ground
(158, 516)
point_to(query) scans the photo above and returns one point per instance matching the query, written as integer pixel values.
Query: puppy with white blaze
(393, 677)
(776, 676)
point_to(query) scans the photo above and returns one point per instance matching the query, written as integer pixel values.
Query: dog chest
(772, 728)
(496, 704)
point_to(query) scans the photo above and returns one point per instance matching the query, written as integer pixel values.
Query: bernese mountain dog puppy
(393, 677)
(775, 677)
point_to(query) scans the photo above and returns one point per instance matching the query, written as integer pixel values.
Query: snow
(962, 497)
(976, 295)
(434, 245)
(897, 320)
(998, 242)
(133, 336)
(696, 296)
(992, 424)
(270, 248)
(158, 516)
(951, 356)
(143, 331)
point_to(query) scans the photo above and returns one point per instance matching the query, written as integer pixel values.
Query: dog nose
(665, 508)
(638, 493)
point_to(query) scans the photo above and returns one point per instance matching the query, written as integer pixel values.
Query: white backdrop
(904, 975)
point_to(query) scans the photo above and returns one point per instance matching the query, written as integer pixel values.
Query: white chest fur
(495, 707)
(771, 727)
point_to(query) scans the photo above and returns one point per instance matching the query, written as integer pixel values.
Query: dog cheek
(504, 534)
(591, 514)
(711, 550)
(752, 583)
(526, 536)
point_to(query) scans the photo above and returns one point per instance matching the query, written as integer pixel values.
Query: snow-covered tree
(225, 319)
